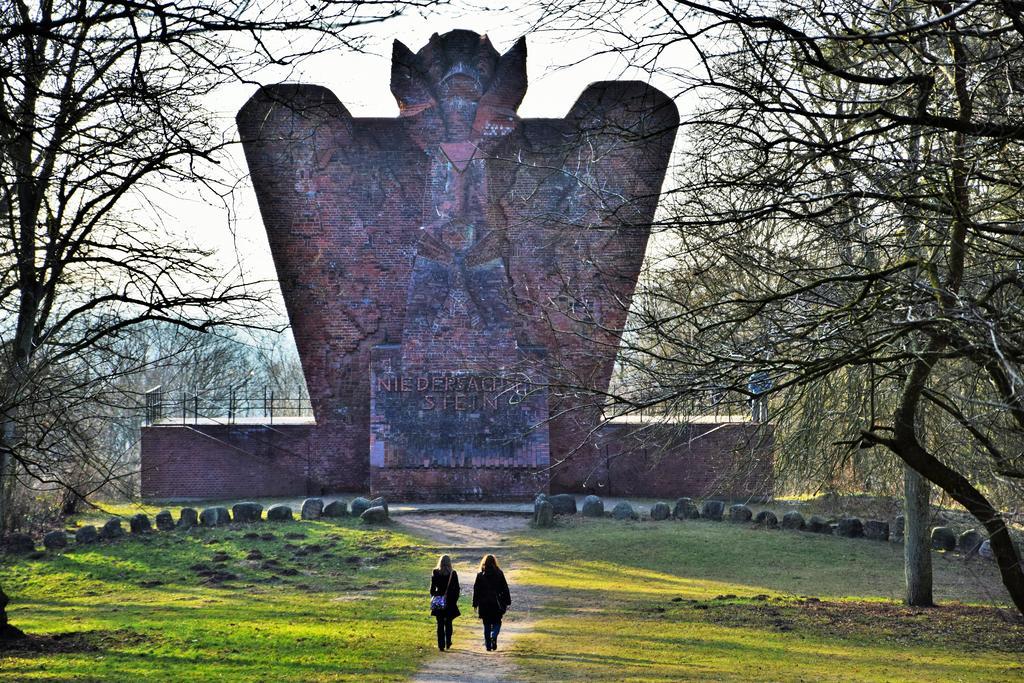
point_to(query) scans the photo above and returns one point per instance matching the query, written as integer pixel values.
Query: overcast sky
(559, 68)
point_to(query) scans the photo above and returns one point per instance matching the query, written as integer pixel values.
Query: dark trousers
(444, 631)
(491, 629)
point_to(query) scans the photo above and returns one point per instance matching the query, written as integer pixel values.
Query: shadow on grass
(740, 558)
(140, 608)
(690, 600)
(73, 641)
(685, 647)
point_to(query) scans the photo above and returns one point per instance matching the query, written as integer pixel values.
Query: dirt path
(467, 538)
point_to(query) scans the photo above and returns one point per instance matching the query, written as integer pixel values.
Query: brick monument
(445, 270)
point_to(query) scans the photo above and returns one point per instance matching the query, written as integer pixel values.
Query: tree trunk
(917, 553)
(6, 488)
(8, 469)
(906, 445)
(1011, 569)
(7, 632)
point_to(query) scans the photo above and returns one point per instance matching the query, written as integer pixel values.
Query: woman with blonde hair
(444, 601)
(491, 598)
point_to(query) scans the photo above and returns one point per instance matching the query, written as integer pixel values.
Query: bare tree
(848, 210)
(101, 104)
(222, 372)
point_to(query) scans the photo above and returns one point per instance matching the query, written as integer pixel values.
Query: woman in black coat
(491, 598)
(444, 581)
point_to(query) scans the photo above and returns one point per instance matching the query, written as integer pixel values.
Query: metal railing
(231, 405)
(222, 406)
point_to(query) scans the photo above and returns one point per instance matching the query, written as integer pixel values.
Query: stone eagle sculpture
(455, 244)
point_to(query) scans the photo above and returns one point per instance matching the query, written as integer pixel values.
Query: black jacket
(490, 595)
(438, 584)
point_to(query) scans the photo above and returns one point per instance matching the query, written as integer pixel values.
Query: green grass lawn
(341, 602)
(646, 601)
(612, 601)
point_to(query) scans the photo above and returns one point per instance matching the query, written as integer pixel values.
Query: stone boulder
(850, 527)
(660, 512)
(819, 525)
(139, 524)
(713, 510)
(377, 514)
(623, 510)
(767, 519)
(359, 506)
(247, 512)
(563, 503)
(20, 543)
(969, 541)
(188, 518)
(544, 514)
(593, 506)
(279, 513)
(536, 506)
(685, 508)
(312, 508)
(215, 516)
(112, 529)
(86, 534)
(740, 513)
(223, 516)
(336, 508)
(55, 540)
(164, 521)
(793, 520)
(985, 550)
(380, 502)
(876, 530)
(943, 538)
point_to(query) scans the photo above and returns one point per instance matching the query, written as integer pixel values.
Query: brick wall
(731, 459)
(208, 462)
(458, 484)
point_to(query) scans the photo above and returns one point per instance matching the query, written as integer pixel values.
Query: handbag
(438, 602)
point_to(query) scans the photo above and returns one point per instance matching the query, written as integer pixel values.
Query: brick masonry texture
(457, 241)
(210, 462)
(730, 460)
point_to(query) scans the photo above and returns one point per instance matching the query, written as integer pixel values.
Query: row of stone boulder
(370, 511)
(970, 542)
